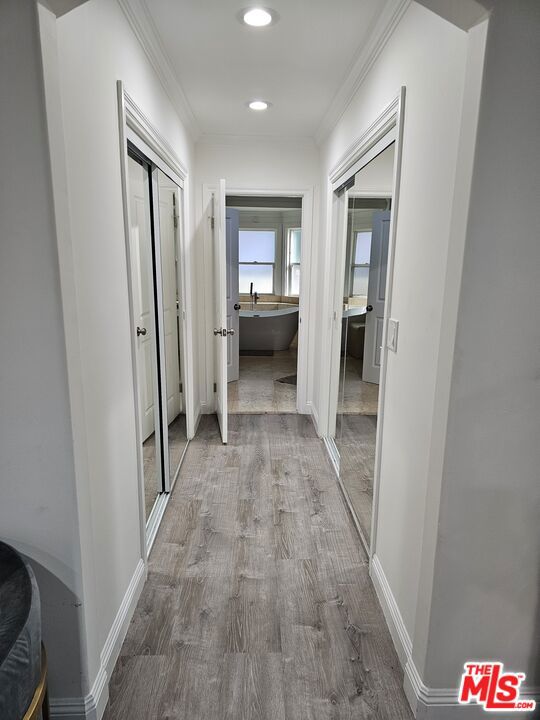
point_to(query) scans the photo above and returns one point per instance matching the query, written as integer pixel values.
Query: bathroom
(264, 244)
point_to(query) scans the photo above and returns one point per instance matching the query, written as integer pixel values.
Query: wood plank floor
(356, 445)
(258, 604)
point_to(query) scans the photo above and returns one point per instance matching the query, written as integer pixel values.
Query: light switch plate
(392, 334)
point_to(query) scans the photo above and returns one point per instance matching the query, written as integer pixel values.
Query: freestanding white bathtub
(267, 327)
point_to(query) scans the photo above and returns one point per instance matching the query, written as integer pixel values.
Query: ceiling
(298, 64)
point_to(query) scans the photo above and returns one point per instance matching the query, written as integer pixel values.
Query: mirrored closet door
(362, 277)
(155, 206)
(169, 224)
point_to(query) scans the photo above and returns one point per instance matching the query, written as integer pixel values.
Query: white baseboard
(427, 703)
(394, 620)
(93, 705)
(207, 408)
(312, 410)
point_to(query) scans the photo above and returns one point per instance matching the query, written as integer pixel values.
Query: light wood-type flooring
(152, 474)
(356, 446)
(258, 604)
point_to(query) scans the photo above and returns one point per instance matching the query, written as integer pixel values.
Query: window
(360, 263)
(256, 260)
(292, 268)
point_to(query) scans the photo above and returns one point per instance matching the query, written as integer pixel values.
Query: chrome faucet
(253, 295)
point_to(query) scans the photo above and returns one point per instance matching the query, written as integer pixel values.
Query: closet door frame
(385, 129)
(136, 130)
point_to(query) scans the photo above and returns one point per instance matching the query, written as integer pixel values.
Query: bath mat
(288, 380)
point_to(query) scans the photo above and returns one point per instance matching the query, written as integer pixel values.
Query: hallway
(258, 602)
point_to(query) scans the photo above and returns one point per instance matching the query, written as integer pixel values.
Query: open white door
(220, 308)
(376, 296)
(233, 297)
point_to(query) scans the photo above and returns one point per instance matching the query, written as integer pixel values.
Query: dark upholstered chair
(23, 671)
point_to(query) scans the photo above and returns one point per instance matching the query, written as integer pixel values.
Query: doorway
(227, 305)
(264, 269)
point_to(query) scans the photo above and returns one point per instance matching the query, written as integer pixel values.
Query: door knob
(237, 306)
(141, 331)
(219, 332)
(369, 308)
(229, 332)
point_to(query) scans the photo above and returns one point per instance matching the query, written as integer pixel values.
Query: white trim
(148, 139)
(92, 706)
(144, 29)
(400, 117)
(122, 126)
(381, 126)
(427, 703)
(442, 703)
(306, 322)
(389, 120)
(312, 410)
(161, 152)
(396, 625)
(118, 631)
(375, 149)
(333, 454)
(154, 520)
(377, 37)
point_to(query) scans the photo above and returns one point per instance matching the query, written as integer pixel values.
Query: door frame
(134, 126)
(359, 154)
(307, 320)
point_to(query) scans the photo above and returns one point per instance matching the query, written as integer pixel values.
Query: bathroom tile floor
(358, 397)
(257, 390)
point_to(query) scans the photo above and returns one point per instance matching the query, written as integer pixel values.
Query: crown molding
(377, 37)
(143, 26)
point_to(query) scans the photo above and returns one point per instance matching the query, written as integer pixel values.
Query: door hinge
(215, 387)
(181, 387)
(212, 223)
(175, 221)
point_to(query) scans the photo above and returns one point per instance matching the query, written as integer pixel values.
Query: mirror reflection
(368, 223)
(169, 228)
(141, 254)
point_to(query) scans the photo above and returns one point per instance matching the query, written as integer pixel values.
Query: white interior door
(233, 296)
(220, 308)
(142, 278)
(167, 214)
(376, 296)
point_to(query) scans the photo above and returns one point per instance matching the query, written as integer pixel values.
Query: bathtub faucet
(254, 296)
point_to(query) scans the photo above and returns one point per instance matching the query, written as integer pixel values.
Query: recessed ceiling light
(258, 105)
(258, 17)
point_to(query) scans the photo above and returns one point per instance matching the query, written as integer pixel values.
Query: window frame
(288, 228)
(276, 279)
(352, 264)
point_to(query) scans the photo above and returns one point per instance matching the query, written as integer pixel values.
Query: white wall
(246, 164)
(96, 47)
(38, 505)
(485, 596)
(428, 56)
